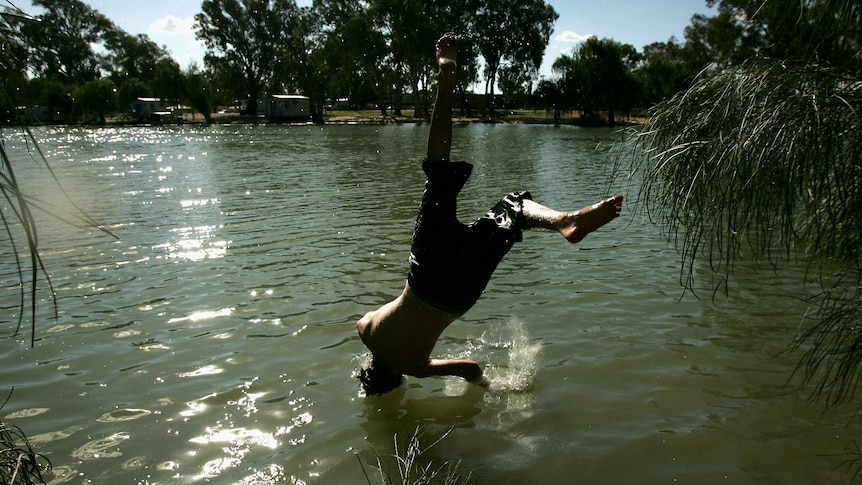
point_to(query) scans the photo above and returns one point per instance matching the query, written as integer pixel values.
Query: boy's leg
(573, 225)
(440, 133)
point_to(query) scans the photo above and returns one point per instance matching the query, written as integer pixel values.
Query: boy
(450, 262)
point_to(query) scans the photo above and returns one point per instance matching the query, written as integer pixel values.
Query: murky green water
(214, 341)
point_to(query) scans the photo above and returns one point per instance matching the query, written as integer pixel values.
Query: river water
(213, 340)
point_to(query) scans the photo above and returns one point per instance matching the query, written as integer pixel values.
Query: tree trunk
(465, 106)
(418, 105)
(396, 99)
(317, 102)
(489, 98)
(251, 105)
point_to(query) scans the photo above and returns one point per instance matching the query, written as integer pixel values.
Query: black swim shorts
(450, 262)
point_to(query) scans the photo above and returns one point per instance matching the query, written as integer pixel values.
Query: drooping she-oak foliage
(763, 158)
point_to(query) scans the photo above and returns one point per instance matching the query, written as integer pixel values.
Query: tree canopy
(60, 44)
(248, 36)
(497, 23)
(375, 51)
(63, 57)
(380, 53)
(598, 76)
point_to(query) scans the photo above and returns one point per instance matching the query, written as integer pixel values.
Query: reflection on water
(214, 339)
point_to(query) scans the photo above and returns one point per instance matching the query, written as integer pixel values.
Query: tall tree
(445, 16)
(13, 63)
(609, 82)
(514, 32)
(198, 91)
(468, 72)
(513, 82)
(550, 94)
(410, 27)
(55, 96)
(718, 42)
(665, 70)
(61, 43)
(565, 91)
(598, 76)
(132, 56)
(168, 80)
(247, 36)
(307, 63)
(354, 42)
(763, 159)
(821, 29)
(97, 97)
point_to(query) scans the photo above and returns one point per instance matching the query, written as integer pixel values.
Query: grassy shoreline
(374, 117)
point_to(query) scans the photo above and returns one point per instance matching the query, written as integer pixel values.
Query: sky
(170, 23)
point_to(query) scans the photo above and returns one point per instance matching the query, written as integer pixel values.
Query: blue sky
(636, 22)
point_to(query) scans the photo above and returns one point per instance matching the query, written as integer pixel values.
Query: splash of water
(518, 374)
(505, 349)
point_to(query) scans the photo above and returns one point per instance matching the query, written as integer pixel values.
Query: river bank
(374, 117)
(520, 116)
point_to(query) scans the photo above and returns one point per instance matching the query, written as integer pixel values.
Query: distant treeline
(75, 64)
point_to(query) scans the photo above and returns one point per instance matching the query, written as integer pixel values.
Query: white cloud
(569, 36)
(171, 25)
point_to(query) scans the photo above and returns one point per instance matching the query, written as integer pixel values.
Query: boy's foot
(447, 53)
(575, 226)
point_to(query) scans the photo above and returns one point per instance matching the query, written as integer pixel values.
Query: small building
(287, 107)
(150, 109)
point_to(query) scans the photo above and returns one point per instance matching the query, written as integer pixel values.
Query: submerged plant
(19, 464)
(853, 461)
(410, 469)
(764, 162)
